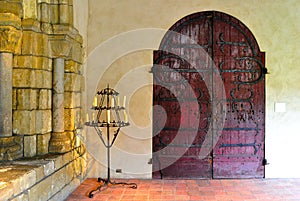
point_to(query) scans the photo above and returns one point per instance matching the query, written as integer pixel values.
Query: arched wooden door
(208, 66)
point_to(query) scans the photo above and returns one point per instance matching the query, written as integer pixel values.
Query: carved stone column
(10, 34)
(60, 141)
(9, 44)
(61, 43)
(58, 95)
(6, 94)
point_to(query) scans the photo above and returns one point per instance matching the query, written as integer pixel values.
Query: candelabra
(108, 115)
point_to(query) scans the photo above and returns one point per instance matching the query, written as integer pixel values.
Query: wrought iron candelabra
(110, 114)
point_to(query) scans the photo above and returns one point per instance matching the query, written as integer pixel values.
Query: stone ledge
(40, 178)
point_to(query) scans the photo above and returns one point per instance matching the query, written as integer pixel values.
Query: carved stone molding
(59, 29)
(9, 19)
(31, 25)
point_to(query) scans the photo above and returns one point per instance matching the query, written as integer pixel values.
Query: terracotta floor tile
(155, 196)
(193, 190)
(141, 197)
(168, 197)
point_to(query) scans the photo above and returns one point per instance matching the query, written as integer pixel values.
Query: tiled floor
(167, 190)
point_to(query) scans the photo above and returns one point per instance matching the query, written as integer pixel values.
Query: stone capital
(60, 45)
(68, 39)
(10, 33)
(10, 39)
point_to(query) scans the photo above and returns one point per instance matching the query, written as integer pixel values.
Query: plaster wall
(80, 15)
(121, 38)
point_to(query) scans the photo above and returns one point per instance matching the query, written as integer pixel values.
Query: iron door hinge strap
(265, 162)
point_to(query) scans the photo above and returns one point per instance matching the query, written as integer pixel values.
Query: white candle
(95, 102)
(112, 102)
(118, 103)
(77, 141)
(87, 118)
(93, 117)
(124, 101)
(125, 117)
(108, 116)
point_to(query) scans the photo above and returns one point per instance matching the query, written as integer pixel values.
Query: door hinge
(265, 71)
(265, 162)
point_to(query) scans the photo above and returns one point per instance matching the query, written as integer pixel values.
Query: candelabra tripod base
(108, 183)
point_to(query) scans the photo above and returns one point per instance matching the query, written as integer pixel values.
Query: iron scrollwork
(254, 145)
(252, 70)
(255, 74)
(223, 43)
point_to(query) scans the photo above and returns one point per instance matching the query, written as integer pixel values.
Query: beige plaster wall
(121, 37)
(80, 15)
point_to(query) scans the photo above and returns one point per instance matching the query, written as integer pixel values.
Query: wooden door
(189, 141)
(239, 152)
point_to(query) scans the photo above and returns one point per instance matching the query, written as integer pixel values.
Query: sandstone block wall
(36, 34)
(41, 84)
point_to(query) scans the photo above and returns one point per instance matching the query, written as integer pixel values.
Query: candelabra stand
(109, 116)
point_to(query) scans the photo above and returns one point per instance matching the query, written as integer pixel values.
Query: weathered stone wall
(38, 35)
(10, 43)
(42, 156)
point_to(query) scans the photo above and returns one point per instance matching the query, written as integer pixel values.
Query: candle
(118, 103)
(112, 102)
(124, 101)
(95, 102)
(125, 117)
(108, 116)
(87, 118)
(77, 141)
(93, 117)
